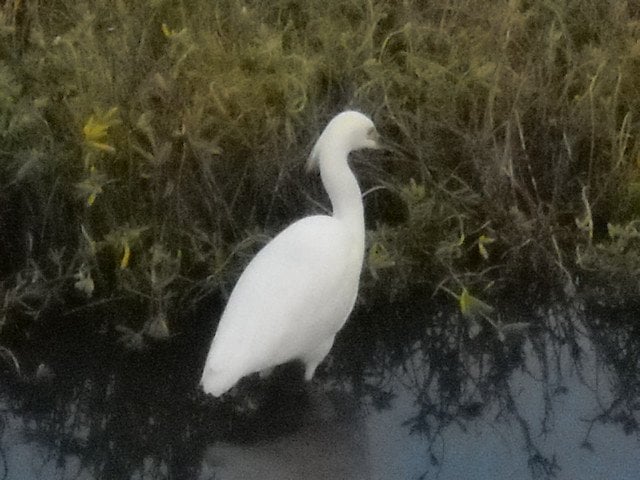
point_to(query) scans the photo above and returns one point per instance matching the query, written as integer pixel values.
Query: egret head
(346, 132)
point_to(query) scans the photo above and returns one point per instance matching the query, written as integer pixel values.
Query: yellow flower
(124, 263)
(166, 31)
(482, 241)
(95, 130)
(472, 307)
(121, 239)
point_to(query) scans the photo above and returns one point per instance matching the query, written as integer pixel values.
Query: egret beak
(376, 141)
(313, 161)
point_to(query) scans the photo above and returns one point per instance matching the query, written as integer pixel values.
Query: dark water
(405, 394)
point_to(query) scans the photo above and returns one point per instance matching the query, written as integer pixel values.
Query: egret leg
(314, 358)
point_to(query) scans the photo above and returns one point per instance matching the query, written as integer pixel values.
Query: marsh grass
(148, 149)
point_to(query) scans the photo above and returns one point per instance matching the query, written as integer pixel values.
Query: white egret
(297, 292)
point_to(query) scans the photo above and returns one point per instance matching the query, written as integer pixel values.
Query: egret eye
(297, 292)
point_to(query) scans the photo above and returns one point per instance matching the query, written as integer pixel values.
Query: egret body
(297, 292)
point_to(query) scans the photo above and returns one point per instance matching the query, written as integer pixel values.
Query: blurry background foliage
(149, 148)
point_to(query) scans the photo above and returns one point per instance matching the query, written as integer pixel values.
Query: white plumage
(298, 291)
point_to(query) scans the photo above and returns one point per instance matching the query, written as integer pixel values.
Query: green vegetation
(148, 149)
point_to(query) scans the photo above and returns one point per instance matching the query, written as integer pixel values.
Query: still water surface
(405, 394)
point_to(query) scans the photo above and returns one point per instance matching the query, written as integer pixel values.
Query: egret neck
(343, 190)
